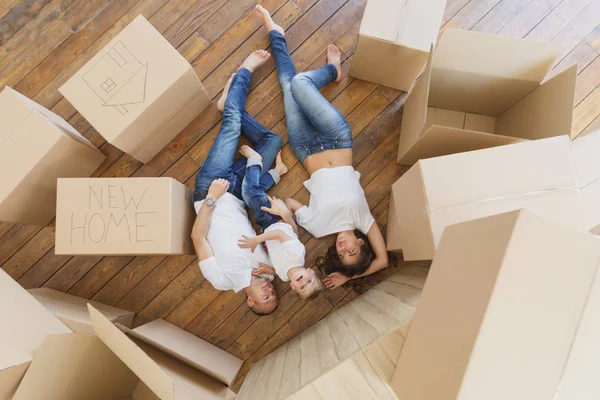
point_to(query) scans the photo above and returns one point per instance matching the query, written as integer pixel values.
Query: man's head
(305, 283)
(262, 298)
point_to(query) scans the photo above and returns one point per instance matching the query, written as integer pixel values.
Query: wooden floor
(44, 42)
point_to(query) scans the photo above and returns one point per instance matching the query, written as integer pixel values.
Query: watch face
(210, 201)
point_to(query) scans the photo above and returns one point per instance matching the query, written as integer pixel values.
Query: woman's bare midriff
(328, 159)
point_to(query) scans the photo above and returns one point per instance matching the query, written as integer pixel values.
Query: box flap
(13, 111)
(133, 356)
(545, 112)
(75, 367)
(10, 378)
(115, 87)
(69, 308)
(503, 171)
(586, 151)
(421, 23)
(188, 348)
(383, 19)
(30, 322)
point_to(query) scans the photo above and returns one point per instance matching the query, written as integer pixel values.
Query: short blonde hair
(315, 293)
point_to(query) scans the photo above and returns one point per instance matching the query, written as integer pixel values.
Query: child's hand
(278, 207)
(263, 269)
(248, 243)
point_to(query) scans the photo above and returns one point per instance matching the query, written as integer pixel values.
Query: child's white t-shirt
(337, 203)
(287, 255)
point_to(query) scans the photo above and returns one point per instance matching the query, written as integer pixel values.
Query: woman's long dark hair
(332, 263)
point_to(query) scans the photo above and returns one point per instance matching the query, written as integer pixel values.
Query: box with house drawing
(138, 92)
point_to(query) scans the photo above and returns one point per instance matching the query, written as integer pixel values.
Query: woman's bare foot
(223, 98)
(280, 167)
(249, 152)
(255, 60)
(265, 18)
(334, 57)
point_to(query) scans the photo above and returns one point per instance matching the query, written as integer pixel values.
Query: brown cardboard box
(395, 39)
(124, 216)
(586, 151)
(29, 172)
(480, 90)
(73, 311)
(112, 366)
(499, 311)
(25, 323)
(537, 175)
(138, 92)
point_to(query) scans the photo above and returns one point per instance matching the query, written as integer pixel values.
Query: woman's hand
(248, 243)
(278, 207)
(263, 269)
(335, 280)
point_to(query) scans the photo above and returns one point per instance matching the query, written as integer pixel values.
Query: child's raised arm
(251, 243)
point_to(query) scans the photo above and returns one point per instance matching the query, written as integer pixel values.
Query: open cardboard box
(156, 361)
(73, 311)
(124, 216)
(480, 90)
(502, 310)
(394, 41)
(586, 156)
(36, 147)
(537, 175)
(138, 92)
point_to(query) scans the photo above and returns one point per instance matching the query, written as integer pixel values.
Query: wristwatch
(210, 201)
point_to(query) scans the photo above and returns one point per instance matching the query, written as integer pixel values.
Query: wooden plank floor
(43, 42)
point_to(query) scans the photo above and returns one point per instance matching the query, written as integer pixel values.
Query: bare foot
(223, 98)
(249, 152)
(334, 57)
(265, 18)
(280, 167)
(255, 60)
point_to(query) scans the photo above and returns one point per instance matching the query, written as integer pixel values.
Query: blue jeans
(220, 160)
(314, 124)
(255, 196)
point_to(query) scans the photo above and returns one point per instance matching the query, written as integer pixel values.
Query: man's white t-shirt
(286, 255)
(337, 203)
(231, 267)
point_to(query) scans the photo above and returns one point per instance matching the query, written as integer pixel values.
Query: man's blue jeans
(314, 124)
(220, 160)
(255, 195)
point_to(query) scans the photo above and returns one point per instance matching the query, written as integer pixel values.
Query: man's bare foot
(265, 18)
(249, 152)
(255, 60)
(280, 167)
(223, 98)
(334, 57)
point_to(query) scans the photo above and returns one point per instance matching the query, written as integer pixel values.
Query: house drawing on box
(118, 78)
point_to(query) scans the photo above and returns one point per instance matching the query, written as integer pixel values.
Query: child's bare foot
(223, 98)
(255, 60)
(265, 18)
(280, 167)
(249, 152)
(334, 57)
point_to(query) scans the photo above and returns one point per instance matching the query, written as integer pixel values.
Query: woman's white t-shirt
(337, 203)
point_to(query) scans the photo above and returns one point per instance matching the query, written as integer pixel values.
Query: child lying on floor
(280, 233)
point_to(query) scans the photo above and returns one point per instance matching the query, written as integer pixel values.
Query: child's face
(304, 282)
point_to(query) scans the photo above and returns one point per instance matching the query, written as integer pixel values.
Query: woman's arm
(293, 205)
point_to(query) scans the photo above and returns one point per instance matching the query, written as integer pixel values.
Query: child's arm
(288, 218)
(279, 208)
(251, 243)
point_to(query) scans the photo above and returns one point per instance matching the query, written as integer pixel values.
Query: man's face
(262, 297)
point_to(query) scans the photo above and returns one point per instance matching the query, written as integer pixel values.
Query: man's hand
(217, 188)
(335, 280)
(278, 207)
(263, 269)
(248, 243)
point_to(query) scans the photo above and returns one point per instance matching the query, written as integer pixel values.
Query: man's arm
(202, 223)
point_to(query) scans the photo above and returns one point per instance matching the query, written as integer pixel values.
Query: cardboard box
(480, 90)
(395, 39)
(25, 323)
(499, 311)
(73, 312)
(587, 164)
(537, 175)
(36, 147)
(124, 216)
(138, 92)
(113, 366)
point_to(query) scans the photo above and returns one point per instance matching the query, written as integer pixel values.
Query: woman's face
(348, 247)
